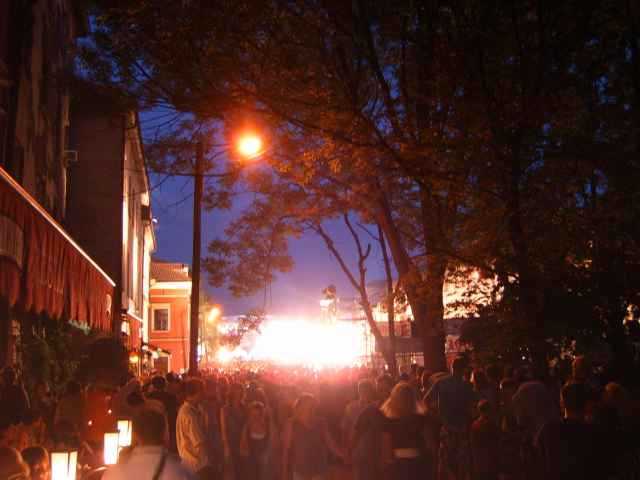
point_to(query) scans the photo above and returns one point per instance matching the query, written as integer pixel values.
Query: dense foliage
(501, 135)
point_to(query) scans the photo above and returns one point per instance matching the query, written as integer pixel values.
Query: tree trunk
(360, 284)
(421, 296)
(433, 336)
(388, 353)
(391, 301)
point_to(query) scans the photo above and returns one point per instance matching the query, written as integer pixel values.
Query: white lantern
(111, 448)
(64, 465)
(124, 431)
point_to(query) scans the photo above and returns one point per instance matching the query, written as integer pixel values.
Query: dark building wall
(94, 211)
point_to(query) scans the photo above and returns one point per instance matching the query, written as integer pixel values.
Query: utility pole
(195, 275)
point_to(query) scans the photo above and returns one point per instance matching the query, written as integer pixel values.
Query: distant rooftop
(164, 271)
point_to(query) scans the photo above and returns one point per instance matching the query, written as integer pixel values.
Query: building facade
(44, 273)
(109, 210)
(170, 299)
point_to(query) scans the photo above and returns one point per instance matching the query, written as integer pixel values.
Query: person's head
(617, 397)
(255, 395)
(236, 393)
(9, 376)
(574, 400)
(413, 371)
(401, 403)
(171, 377)
(42, 389)
(73, 388)
(158, 383)
(65, 433)
(384, 385)
(256, 412)
(508, 371)
(211, 386)
(12, 465)
(458, 367)
(366, 391)
(305, 408)
(194, 389)
(479, 380)
(424, 379)
(580, 369)
(223, 387)
(149, 427)
(493, 372)
(484, 408)
(508, 388)
(135, 400)
(38, 460)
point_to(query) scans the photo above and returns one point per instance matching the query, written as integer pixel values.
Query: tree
(498, 135)
(250, 322)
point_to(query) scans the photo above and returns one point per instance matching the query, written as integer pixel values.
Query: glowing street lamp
(249, 145)
(214, 314)
(64, 464)
(111, 447)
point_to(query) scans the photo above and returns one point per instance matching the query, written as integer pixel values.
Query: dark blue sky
(296, 292)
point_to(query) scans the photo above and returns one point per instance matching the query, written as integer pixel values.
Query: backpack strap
(160, 467)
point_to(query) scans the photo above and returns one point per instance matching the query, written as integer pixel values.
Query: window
(161, 319)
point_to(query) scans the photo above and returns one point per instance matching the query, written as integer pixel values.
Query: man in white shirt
(191, 431)
(149, 458)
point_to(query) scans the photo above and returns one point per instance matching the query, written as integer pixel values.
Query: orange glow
(250, 145)
(214, 314)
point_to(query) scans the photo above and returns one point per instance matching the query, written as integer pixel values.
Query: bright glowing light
(124, 431)
(303, 342)
(64, 465)
(111, 448)
(226, 355)
(249, 145)
(214, 314)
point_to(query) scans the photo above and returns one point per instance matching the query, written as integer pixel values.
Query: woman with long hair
(403, 438)
(232, 420)
(306, 443)
(257, 443)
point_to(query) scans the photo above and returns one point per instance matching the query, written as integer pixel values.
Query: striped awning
(42, 269)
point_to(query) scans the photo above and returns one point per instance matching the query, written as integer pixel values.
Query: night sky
(296, 292)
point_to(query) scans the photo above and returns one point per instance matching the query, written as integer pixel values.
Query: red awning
(42, 269)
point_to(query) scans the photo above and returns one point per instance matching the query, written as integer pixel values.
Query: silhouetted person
(485, 443)
(170, 403)
(14, 400)
(38, 460)
(572, 448)
(403, 435)
(149, 458)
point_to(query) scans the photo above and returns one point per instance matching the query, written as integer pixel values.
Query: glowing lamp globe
(64, 465)
(124, 433)
(214, 314)
(249, 145)
(111, 447)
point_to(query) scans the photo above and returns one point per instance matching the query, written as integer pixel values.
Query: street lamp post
(195, 274)
(249, 146)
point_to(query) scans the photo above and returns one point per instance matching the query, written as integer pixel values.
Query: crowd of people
(472, 423)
